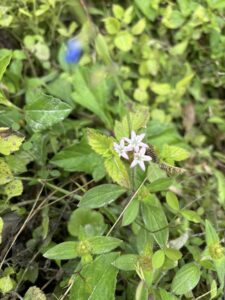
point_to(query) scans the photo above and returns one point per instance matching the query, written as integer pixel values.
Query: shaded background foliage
(163, 58)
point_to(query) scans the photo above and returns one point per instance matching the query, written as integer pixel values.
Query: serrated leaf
(103, 244)
(6, 284)
(13, 188)
(65, 250)
(34, 293)
(45, 111)
(186, 279)
(112, 25)
(10, 141)
(101, 195)
(97, 280)
(100, 143)
(118, 11)
(173, 153)
(117, 171)
(5, 173)
(137, 119)
(124, 41)
(126, 262)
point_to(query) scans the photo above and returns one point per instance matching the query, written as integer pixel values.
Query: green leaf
(155, 221)
(220, 186)
(155, 172)
(173, 153)
(101, 195)
(137, 119)
(131, 212)
(100, 143)
(126, 262)
(103, 244)
(102, 48)
(141, 291)
(118, 11)
(158, 259)
(213, 291)
(88, 96)
(167, 296)
(45, 111)
(139, 27)
(97, 280)
(10, 141)
(160, 184)
(117, 171)
(5, 173)
(112, 25)
(162, 89)
(6, 284)
(65, 250)
(79, 158)
(13, 188)
(172, 18)
(173, 254)
(124, 41)
(191, 215)
(34, 293)
(186, 279)
(172, 201)
(211, 234)
(4, 62)
(1, 229)
(146, 8)
(84, 219)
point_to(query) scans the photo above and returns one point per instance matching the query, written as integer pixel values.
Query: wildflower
(136, 141)
(140, 158)
(74, 51)
(122, 149)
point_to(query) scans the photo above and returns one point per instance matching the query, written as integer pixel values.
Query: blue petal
(74, 51)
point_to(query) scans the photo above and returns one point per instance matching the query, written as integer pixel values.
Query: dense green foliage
(76, 222)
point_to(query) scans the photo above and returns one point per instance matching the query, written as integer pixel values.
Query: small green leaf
(117, 171)
(211, 234)
(172, 201)
(65, 250)
(167, 296)
(84, 220)
(131, 212)
(186, 279)
(103, 244)
(213, 291)
(102, 48)
(172, 18)
(158, 259)
(13, 188)
(124, 41)
(112, 25)
(191, 215)
(173, 153)
(173, 254)
(101, 195)
(34, 293)
(220, 186)
(6, 284)
(45, 111)
(4, 62)
(126, 262)
(141, 291)
(100, 143)
(10, 141)
(97, 280)
(5, 173)
(162, 89)
(160, 184)
(118, 11)
(139, 27)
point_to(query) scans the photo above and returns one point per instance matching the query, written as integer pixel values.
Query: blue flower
(74, 51)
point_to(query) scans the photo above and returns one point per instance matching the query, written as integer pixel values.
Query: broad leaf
(10, 141)
(4, 62)
(103, 244)
(34, 293)
(101, 144)
(65, 250)
(45, 111)
(186, 279)
(126, 262)
(96, 280)
(5, 172)
(101, 195)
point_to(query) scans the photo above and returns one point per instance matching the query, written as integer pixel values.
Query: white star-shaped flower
(122, 149)
(135, 142)
(140, 158)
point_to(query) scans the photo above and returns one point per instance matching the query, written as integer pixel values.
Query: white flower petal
(140, 137)
(134, 163)
(142, 165)
(124, 155)
(147, 158)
